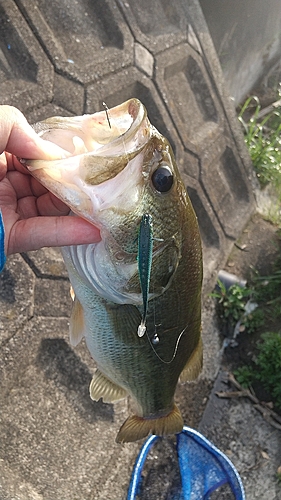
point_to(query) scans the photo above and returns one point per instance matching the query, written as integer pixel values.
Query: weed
(245, 375)
(266, 368)
(253, 321)
(268, 286)
(268, 292)
(268, 365)
(263, 138)
(232, 305)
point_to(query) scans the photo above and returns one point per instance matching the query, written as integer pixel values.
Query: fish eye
(162, 179)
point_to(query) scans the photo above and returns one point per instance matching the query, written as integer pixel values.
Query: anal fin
(102, 387)
(135, 427)
(194, 365)
(76, 323)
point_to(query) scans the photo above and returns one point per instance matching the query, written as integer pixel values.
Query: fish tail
(135, 427)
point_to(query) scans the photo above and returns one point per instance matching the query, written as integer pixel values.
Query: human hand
(33, 217)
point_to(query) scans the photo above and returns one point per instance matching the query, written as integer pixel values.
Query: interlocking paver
(83, 40)
(26, 74)
(17, 283)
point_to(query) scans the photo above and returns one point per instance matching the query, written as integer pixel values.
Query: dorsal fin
(102, 387)
(194, 365)
(76, 323)
(135, 427)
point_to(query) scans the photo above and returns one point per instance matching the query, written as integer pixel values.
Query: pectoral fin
(194, 365)
(135, 427)
(102, 387)
(76, 323)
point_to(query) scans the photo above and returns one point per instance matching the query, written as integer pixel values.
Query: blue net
(203, 468)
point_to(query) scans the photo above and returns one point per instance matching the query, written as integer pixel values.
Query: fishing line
(156, 338)
(106, 112)
(175, 350)
(121, 135)
(176, 346)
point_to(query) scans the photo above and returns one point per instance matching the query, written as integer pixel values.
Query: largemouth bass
(137, 292)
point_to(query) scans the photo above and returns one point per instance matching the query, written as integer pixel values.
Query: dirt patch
(257, 251)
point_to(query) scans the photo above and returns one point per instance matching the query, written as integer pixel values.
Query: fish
(137, 292)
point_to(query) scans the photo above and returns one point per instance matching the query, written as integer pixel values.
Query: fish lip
(139, 126)
(71, 172)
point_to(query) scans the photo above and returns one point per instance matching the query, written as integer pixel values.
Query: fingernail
(22, 160)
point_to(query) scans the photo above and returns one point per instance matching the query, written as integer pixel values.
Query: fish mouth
(101, 148)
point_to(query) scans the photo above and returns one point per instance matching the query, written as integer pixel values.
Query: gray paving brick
(26, 74)
(69, 95)
(83, 40)
(230, 196)
(183, 81)
(17, 283)
(46, 263)
(46, 110)
(156, 25)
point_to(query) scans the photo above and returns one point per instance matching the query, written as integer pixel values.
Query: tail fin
(135, 427)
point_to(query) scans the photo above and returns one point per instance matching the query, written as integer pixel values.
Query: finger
(20, 183)
(49, 204)
(3, 166)
(33, 198)
(38, 232)
(27, 207)
(25, 185)
(14, 164)
(19, 138)
(37, 188)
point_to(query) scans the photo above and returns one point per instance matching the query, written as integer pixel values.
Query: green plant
(268, 364)
(266, 368)
(268, 292)
(254, 320)
(269, 286)
(231, 304)
(245, 375)
(263, 138)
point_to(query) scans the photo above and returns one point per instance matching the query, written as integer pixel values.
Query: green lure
(145, 244)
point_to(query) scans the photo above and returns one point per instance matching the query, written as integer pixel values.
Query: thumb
(19, 138)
